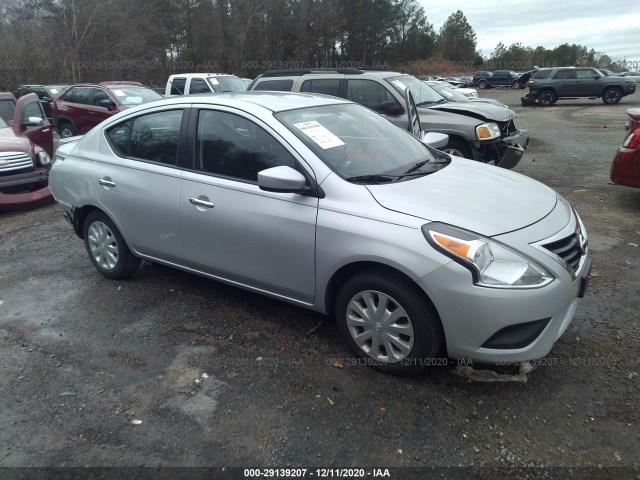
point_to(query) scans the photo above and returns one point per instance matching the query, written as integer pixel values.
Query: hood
(470, 195)
(482, 111)
(10, 142)
(492, 101)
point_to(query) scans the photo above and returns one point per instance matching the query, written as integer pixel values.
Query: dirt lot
(221, 377)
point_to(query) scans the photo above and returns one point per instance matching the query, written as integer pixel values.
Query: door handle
(106, 183)
(201, 203)
(46, 130)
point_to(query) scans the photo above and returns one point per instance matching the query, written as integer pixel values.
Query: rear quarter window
(542, 73)
(275, 85)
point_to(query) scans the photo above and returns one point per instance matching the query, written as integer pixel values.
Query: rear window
(275, 85)
(177, 86)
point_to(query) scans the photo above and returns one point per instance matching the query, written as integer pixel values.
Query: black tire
(547, 98)
(107, 249)
(516, 85)
(66, 129)
(416, 316)
(611, 96)
(482, 84)
(458, 148)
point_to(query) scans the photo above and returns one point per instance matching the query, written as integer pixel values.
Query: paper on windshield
(214, 81)
(119, 93)
(319, 134)
(54, 90)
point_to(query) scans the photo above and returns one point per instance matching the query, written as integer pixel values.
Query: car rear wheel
(611, 96)
(458, 148)
(106, 247)
(516, 85)
(547, 97)
(388, 322)
(66, 130)
(482, 84)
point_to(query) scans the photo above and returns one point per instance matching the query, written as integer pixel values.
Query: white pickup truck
(187, 83)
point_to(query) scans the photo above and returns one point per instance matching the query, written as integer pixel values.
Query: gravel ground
(169, 369)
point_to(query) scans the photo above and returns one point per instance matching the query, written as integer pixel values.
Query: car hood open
(482, 111)
(480, 198)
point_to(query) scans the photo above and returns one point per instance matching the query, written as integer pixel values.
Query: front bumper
(495, 325)
(24, 190)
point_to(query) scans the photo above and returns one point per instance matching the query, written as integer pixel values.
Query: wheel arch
(62, 119)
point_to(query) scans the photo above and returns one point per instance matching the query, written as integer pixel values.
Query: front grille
(507, 128)
(14, 161)
(570, 249)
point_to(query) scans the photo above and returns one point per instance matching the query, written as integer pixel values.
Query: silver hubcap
(103, 245)
(66, 132)
(454, 152)
(380, 326)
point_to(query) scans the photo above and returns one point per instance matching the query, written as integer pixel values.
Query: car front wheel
(66, 130)
(388, 322)
(611, 96)
(547, 98)
(458, 148)
(106, 247)
(482, 84)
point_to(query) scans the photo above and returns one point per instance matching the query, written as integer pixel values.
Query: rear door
(565, 82)
(137, 179)
(29, 108)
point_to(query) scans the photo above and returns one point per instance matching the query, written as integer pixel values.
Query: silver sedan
(325, 204)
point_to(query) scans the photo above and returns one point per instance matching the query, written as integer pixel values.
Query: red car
(625, 169)
(83, 106)
(26, 148)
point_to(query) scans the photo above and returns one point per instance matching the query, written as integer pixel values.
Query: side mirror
(597, 77)
(33, 122)
(108, 104)
(434, 139)
(390, 108)
(282, 180)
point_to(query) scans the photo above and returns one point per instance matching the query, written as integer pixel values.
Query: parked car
(625, 169)
(486, 135)
(189, 83)
(455, 95)
(552, 84)
(633, 76)
(467, 92)
(82, 106)
(498, 78)
(325, 204)
(26, 147)
(46, 94)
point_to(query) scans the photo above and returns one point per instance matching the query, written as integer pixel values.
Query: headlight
(43, 158)
(487, 131)
(491, 263)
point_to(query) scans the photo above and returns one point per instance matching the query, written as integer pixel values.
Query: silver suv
(481, 132)
(323, 203)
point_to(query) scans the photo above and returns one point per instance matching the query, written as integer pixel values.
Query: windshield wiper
(372, 178)
(417, 166)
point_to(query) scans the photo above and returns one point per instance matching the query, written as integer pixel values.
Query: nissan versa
(325, 204)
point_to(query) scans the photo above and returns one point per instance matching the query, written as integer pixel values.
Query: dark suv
(499, 78)
(81, 107)
(550, 84)
(46, 94)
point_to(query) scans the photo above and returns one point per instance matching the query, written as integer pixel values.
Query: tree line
(52, 41)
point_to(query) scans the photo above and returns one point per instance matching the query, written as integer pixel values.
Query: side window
(198, 85)
(152, 137)
(31, 109)
(232, 146)
(78, 95)
(177, 86)
(102, 98)
(368, 93)
(7, 109)
(565, 74)
(585, 74)
(542, 73)
(327, 87)
(275, 85)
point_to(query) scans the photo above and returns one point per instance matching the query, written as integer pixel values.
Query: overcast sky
(607, 26)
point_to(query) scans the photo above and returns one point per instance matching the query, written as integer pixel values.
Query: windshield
(358, 144)
(227, 84)
(449, 93)
(422, 93)
(3, 124)
(134, 95)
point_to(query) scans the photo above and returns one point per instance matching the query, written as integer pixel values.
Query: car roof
(297, 72)
(273, 101)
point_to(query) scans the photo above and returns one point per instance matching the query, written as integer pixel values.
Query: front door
(231, 228)
(41, 134)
